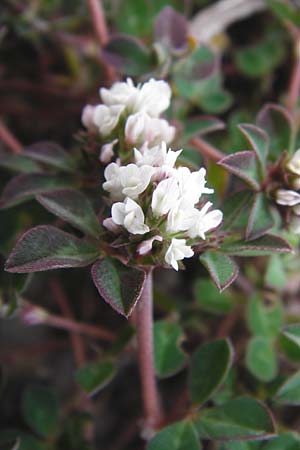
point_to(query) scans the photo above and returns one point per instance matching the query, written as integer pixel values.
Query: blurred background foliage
(52, 381)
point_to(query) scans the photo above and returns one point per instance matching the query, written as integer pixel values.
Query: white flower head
(106, 118)
(146, 246)
(129, 215)
(205, 221)
(141, 127)
(192, 184)
(152, 97)
(177, 251)
(134, 179)
(181, 217)
(294, 163)
(87, 117)
(165, 196)
(157, 156)
(287, 197)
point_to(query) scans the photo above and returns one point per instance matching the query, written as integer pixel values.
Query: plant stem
(9, 139)
(207, 150)
(144, 322)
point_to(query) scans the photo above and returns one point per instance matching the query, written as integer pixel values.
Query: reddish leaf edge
(236, 171)
(102, 292)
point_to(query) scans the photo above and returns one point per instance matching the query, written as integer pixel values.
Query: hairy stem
(144, 323)
(98, 19)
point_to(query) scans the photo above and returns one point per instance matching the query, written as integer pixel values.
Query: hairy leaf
(265, 245)
(119, 285)
(46, 247)
(261, 358)
(245, 166)
(73, 207)
(51, 154)
(260, 218)
(221, 268)
(289, 391)
(292, 333)
(95, 376)
(259, 141)
(24, 187)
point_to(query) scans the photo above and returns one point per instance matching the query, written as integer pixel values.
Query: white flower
(87, 117)
(181, 217)
(165, 196)
(113, 183)
(146, 246)
(106, 118)
(107, 151)
(130, 215)
(294, 163)
(192, 184)
(134, 179)
(127, 181)
(205, 221)
(287, 197)
(177, 251)
(295, 225)
(157, 156)
(152, 97)
(121, 93)
(140, 127)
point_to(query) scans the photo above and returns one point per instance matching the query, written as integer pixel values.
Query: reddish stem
(294, 87)
(98, 19)
(207, 150)
(79, 328)
(76, 339)
(9, 139)
(144, 322)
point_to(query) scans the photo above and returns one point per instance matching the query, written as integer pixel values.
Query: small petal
(146, 246)
(130, 215)
(287, 197)
(87, 117)
(165, 196)
(107, 151)
(177, 251)
(294, 163)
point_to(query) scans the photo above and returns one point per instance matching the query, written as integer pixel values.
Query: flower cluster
(291, 197)
(132, 112)
(154, 198)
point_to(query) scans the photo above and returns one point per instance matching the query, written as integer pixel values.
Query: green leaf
(73, 207)
(128, 55)
(245, 166)
(285, 11)
(24, 187)
(40, 410)
(285, 441)
(292, 333)
(50, 154)
(237, 419)
(46, 247)
(265, 245)
(240, 445)
(289, 391)
(17, 163)
(236, 210)
(209, 368)
(95, 376)
(260, 59)
(199, 126)
(279, 125)
(259, 142)
(260, 218)
(275, 274)
(179, 436)
(264, 320)
(216, 102)
(168, 356)
(119, 285)
(221, 268)
(210, 299)
(261, 358)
